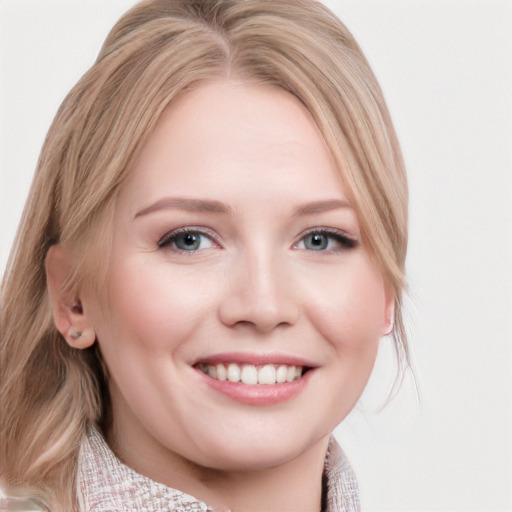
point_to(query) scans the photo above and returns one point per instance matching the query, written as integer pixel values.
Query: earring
(75, 335)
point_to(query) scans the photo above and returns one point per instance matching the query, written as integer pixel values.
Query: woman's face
(236, 255)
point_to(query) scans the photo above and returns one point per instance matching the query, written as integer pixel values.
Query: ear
(68, 314)
(389, 311)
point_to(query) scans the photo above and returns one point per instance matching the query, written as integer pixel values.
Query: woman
(213, 245)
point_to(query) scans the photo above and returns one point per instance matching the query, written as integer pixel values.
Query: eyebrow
(321, 206)
(187, 204)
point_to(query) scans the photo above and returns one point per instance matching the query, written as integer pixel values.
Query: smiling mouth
(252, 375)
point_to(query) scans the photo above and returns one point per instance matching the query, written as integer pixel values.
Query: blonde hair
(159, 50)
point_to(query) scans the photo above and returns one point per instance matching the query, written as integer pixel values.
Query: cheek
(152, 309)
(350, 309)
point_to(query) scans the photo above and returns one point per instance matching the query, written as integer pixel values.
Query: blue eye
(186, 240)
(322, 240)
(316, 242)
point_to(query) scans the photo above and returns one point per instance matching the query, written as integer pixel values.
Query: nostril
(261, 319)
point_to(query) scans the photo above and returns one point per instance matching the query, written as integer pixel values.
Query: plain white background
(446, 70)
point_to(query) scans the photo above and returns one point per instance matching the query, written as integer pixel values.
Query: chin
(255, 452)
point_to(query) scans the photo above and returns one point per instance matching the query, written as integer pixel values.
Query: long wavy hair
(158, 51)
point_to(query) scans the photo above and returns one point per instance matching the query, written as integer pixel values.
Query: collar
(106, 484)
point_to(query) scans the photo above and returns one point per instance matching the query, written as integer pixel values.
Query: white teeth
(234, 373)
(281, 374)
(221, 372)
(267, 375)
(290, 374)
(250, 375)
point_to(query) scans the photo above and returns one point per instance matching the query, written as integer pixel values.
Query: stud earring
(75, 335)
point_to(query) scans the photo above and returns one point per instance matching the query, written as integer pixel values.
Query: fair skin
(267, 270)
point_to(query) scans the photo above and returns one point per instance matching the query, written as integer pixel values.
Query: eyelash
(345, 241)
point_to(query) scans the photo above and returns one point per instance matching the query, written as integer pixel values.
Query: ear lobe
(68, 315)
(389, 312)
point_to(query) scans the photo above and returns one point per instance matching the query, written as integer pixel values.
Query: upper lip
(255, 359)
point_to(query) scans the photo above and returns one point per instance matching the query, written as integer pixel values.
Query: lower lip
(258, 394)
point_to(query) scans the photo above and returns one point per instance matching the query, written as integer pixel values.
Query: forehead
(230, 139)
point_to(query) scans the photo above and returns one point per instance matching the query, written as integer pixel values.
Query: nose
(260, 294)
